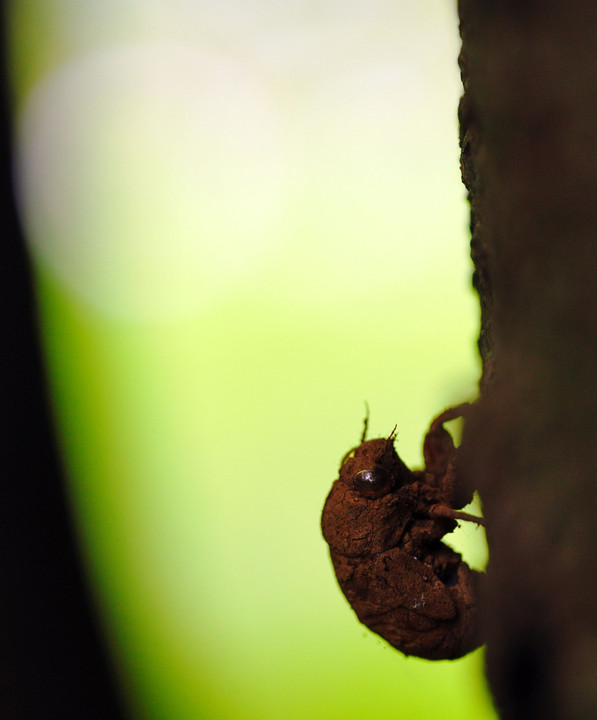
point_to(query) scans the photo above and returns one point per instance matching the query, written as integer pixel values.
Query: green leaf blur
(245, 220)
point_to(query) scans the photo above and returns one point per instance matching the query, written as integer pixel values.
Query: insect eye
(372, 483)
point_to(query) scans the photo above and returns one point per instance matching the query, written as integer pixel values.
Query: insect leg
(446, 511)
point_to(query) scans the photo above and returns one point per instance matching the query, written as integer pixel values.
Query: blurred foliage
(205, 402)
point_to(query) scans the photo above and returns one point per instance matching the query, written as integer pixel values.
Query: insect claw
(450, 414)
(471, 518)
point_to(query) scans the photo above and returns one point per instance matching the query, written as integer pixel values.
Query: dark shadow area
(529, 163)
(52, 660)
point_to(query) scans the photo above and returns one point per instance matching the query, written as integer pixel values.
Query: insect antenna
(365, 423)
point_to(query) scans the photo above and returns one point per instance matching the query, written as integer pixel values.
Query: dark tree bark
(53, 663)
(529, 161)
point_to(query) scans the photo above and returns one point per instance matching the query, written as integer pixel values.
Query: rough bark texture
(529, 159)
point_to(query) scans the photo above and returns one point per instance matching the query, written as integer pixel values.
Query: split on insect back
(384, 524)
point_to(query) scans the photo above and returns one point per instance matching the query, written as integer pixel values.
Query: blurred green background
(246, 219)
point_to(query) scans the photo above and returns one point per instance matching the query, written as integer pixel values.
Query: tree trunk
(529, 160)
(53, 661)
